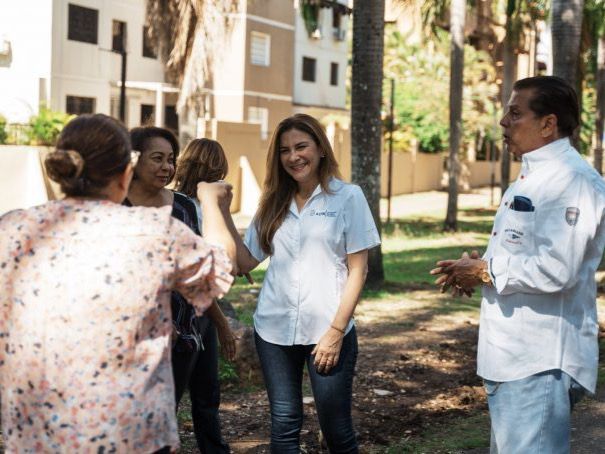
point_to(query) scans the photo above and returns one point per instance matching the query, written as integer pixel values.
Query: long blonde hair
(201, 160)
(279, 186)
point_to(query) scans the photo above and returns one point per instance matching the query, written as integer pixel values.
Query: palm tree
(189, 34)
(566, 23)
(366, 124)
(457, 16)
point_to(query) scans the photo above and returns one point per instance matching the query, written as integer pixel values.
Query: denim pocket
(491, 387)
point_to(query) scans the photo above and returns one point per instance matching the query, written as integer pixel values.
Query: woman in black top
(155, 169)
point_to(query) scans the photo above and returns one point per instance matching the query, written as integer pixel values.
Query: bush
(45, 127)
(3, 133)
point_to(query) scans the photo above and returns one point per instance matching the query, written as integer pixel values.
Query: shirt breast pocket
(517, 233)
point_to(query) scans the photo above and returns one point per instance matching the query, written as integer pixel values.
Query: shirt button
(495, 233)
(522, 177)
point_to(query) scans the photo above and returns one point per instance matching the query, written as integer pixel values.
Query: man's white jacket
(541, 312)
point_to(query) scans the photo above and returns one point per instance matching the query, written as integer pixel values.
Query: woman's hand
(219, 193)
(227, 339)
(327, 350)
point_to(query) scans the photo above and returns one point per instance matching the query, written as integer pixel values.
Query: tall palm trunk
(366, 101)
(508, 79)
(566, 21)
(457, 16)
(598, 153)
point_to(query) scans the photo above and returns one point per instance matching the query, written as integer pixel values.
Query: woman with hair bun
(85, 319)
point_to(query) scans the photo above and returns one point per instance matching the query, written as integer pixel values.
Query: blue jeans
(283, 372)
(532, 415)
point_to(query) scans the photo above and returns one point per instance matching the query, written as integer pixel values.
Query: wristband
(337, 329)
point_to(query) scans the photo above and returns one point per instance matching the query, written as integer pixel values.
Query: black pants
(198, 371)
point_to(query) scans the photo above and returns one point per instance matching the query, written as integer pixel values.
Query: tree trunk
(598, 153)
(457, 16)
(366, 102)
(566, 23)
(508, 79)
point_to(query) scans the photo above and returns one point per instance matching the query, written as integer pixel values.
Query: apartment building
(65, 54)
(282, 56)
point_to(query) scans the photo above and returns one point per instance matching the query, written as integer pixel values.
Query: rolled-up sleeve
(201, 271)
(566, 221)
(359, 227)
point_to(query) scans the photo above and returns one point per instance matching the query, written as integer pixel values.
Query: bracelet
(337, 329)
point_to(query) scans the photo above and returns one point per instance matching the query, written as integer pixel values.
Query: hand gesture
(463, 274)
(327, 350)
(219, 193)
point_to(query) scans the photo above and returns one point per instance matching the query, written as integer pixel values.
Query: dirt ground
(416, 368)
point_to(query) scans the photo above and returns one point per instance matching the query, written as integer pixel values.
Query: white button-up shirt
(541, 313)
(307, 271)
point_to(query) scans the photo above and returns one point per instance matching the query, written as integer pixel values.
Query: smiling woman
(316, 230)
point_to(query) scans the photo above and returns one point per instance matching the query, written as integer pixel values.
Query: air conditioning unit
(340, 34)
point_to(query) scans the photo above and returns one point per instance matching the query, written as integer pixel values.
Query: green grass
(467, 432)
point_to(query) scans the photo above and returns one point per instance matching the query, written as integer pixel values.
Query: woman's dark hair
(90, 150)
(553, 95)
(140, 137)
(201, 160)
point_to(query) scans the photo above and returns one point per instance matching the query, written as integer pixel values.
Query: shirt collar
(334, 185)
(546, 153)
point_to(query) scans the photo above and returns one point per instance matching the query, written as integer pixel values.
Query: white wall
(325, 50)
(42, 56)
(26, 26)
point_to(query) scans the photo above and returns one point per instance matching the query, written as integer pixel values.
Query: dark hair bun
(65, 167)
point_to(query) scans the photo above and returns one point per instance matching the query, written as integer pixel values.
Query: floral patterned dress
(85, 323)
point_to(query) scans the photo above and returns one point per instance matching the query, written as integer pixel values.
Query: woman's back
(85, 323)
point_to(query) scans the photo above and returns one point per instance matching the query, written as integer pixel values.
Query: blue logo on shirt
(324, 213)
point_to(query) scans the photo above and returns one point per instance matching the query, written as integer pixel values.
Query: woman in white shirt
(316, 230)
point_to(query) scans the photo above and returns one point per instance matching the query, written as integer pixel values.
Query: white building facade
(65, 54)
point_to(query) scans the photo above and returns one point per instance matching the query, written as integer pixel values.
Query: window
(260, 49)
(334, 74)
(260, 115)
(77, 105)
(147, 114)
(308, 69)
(82, 24)
(118, 36)
(336, 18)
(171, 119)
(149, 49)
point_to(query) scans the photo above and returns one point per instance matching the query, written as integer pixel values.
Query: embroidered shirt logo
(513, 236)
(571, 215)
(324, 213)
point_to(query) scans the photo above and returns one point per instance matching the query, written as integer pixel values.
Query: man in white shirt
(538, 335)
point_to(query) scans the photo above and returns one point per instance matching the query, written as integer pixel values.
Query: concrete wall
(479, 172)
(23, 183)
